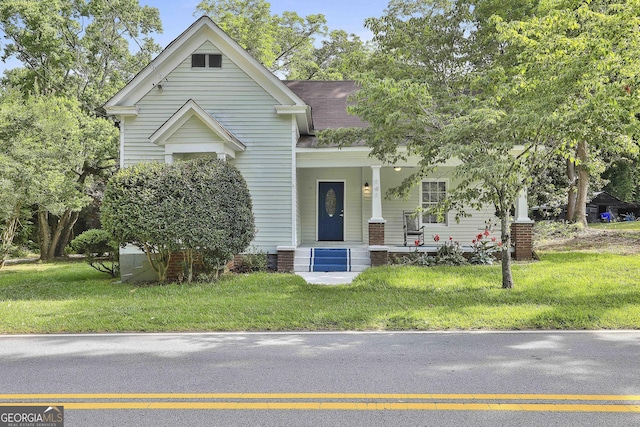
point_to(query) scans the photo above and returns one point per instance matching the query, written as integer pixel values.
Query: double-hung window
(433, 192)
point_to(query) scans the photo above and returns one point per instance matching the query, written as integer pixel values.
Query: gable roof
(328, 101)
(201, 31)
(192, 109)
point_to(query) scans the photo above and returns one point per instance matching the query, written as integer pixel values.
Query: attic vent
(201, 60)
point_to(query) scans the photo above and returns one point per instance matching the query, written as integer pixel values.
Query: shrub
(483, 249)
(201, 205)
(252, 261)
(99, 250)
(450, 253)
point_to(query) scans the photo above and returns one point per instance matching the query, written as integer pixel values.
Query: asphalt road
(329, 379)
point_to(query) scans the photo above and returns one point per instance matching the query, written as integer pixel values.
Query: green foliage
(46, 142)
(623, 178)
(201, 205)
(77, 49)
(450, 253)
(286, 44)
(252, 261)
(482, 249)
(571, 71)
(79, 52)
(99, 250)
(275, 40)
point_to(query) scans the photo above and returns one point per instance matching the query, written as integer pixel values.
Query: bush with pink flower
(483, 247)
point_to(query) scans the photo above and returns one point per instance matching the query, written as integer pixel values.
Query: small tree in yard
(199, 206)
(99, 251)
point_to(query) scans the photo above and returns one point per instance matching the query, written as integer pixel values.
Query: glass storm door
(331, 211)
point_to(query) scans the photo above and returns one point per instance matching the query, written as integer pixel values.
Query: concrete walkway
(332, 278)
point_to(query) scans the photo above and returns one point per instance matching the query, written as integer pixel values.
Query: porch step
(331, 259)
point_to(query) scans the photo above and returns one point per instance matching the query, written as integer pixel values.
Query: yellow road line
(347, 406)
(342, 396)
(332, 401)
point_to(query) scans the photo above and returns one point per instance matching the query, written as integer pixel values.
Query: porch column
(222, 156)
(377, 249)
(522, 229)
(376, 196)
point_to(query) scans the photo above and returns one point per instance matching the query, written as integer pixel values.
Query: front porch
(346, 195)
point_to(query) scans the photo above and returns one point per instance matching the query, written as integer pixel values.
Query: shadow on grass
(578, 291)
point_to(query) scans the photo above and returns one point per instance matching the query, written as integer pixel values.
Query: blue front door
(331, 211)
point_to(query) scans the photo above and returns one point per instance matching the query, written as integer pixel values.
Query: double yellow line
(333, 401)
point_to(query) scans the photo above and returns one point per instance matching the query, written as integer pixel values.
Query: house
(605, 203)
(316, 207)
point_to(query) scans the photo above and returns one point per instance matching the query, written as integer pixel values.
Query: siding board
(246, 110)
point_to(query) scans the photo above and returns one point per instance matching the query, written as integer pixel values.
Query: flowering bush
(483, 248)
(450, 253)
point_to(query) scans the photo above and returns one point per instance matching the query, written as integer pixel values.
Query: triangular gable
(180, 117)
(201, 31)
(191, 109)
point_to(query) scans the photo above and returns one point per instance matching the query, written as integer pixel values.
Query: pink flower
(436, 238)
(450, 238)
(493, 239)
(486, 232)
(499, 243)
(417, 242)
(473, 241)
(479, 237)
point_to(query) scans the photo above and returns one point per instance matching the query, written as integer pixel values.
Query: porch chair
(412, 229)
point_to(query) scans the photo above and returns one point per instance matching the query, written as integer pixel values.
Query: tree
(100, 252)
(77, 50)
(43, 140)
(199, 206)
(341, 56)
(274, 40)
(576, 65)
(425, 98)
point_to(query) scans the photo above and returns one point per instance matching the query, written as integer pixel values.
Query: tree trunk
(50, 235)
(583, 186)
(54, 238)
(67, 232)
(507, 277)
(572, 193)
(11, 226)
(44, 234)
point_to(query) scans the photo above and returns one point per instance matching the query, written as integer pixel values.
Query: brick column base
(286, 256)
(376, 233)
(379, 256)
(522, 237)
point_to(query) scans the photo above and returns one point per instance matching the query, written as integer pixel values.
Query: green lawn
(562, 291)
(621, 225)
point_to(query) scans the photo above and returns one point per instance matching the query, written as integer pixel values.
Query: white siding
(464, 231)
(246, 110)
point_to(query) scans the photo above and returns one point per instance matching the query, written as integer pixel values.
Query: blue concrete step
(331, 259)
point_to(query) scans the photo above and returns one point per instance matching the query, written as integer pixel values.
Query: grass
(565, 290)
(622, 225)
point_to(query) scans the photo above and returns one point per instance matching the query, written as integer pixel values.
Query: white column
(168, 158)
(522, 207)
(222, 156)
(376, 195)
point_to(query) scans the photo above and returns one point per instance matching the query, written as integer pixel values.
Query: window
(433, 192)
(201, 60)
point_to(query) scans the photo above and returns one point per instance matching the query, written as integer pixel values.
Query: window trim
(446, 221)
(208, 60)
